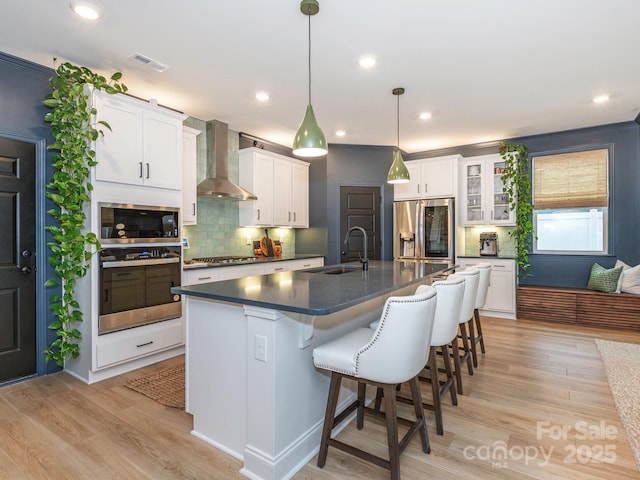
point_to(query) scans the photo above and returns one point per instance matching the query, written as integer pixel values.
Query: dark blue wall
(23, 86)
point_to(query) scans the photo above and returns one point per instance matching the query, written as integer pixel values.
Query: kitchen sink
(335, 269)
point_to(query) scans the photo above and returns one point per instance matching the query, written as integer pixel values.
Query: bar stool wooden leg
(456, 363)
(332, 402)
(419, 411)
(447, 368)
(472, 343)
(465, 347)
(362, 388)
(391, 415)
(435, 389)
(479, 337)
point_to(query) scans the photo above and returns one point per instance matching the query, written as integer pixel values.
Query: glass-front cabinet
(482, 199)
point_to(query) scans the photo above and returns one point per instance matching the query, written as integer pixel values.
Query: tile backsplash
(471, 247)
(217, 232)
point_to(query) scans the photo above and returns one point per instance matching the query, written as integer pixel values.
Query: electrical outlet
(260, 348)
(248, 239)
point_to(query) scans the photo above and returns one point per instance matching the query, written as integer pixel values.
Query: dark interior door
(17, 260)
(360, 206)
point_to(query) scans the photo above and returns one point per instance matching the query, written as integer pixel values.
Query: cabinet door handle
(294, 216)
(194, 208)
(491, 214)
(425, 188)
(418, 188)
(204, 278)
(306, 265)
(140, 163)
(482, 214)
(499, 266)
(278, 269)
(147, 170)
(145, 344)
(258, 214)
(289, 217)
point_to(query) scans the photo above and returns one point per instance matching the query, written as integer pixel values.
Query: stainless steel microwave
(126, 223)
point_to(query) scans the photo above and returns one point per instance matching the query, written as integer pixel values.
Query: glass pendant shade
(398, 173)
(309, 140)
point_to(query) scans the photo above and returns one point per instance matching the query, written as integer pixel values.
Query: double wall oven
(136, 280)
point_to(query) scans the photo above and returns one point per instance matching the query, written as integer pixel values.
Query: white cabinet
(130, 344)
(291, 205)
(189, 175)
(256, 175)
(430, 178)
(281, 185)
(482, 201)
(144, 145)
(501, 297)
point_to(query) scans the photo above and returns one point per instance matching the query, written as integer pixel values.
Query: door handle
(26, 270)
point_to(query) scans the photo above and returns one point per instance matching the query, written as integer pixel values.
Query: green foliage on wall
(517, 184)
(71, 118)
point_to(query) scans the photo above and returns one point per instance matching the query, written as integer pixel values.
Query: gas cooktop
(225, 260)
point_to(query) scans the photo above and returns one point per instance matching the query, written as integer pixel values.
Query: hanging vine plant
(517, 185)
(72, 247)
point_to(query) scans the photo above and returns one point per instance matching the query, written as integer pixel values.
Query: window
(570, 198)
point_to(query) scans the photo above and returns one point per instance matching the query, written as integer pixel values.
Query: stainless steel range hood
(217, 183)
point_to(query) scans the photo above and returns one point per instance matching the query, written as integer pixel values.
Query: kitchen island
(250, 381)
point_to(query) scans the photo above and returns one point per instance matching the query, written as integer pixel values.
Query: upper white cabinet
(256, 175)
(281, 185)
(482, 201)
(144, 145)
(189, 175)
(430, 178)
(290, 206)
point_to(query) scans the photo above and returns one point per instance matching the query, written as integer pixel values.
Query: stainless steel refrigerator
(424, 230)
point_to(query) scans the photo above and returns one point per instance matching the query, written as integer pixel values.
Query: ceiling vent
(149, 62)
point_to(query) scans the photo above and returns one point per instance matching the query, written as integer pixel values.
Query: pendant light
(309, 140)
(398, 172)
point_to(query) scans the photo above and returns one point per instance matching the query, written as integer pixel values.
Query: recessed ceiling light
(367, 61)
(262, 96)
(340, 133)
(600, 98)
(425, 116)
(86, 10)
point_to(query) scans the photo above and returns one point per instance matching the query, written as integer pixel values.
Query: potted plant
(73, 130)
(517, 186)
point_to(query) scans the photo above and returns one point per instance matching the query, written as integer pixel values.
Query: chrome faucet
(363, 259)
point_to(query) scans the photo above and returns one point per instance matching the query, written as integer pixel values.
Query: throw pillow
(603, 279)
(631, 280)
(620, 263)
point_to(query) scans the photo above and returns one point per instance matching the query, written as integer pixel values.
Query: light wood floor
(56, 427)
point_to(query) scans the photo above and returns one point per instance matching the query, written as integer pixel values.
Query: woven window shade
(571, 180)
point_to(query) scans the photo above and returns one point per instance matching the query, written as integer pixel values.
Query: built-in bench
(578, 306)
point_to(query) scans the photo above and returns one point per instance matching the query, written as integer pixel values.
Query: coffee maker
(489, 244)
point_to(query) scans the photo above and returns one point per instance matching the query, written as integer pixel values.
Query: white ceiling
(487, 70)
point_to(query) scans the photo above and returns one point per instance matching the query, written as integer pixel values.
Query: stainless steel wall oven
(135, 286)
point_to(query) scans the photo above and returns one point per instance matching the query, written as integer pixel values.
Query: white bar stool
(445, 332)
(395, 352)
(471, 279)
(481, 298)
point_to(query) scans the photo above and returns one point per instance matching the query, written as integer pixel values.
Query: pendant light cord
(309, 16)
(398, 113)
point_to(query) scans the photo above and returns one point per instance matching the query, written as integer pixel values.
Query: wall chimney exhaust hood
(217, 183)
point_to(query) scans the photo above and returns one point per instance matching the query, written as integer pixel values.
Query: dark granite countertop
(258, 259)
(304, 291)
